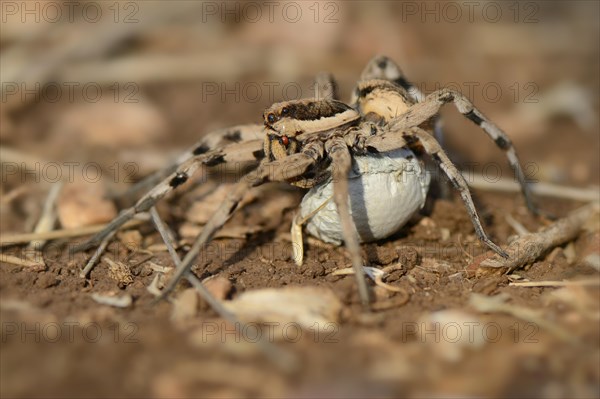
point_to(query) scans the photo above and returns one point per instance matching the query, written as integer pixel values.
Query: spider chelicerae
(341, 152)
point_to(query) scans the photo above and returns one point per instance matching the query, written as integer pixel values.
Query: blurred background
(116, 89)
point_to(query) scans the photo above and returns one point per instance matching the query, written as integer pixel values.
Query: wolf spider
(314, 143)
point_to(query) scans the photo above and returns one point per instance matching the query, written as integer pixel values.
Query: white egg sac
(385, 191)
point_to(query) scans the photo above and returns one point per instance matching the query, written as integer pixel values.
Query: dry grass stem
(13, 260)
(48, 218)
(14, 239)
(587, 282)
(541, 189)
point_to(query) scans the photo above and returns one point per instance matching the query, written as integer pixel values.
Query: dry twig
(528, 248)
(99, 251)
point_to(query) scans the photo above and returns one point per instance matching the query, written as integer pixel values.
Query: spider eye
(271, 118)
(284, 140)
(284, 111)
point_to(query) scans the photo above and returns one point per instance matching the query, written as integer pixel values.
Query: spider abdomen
(385, 191)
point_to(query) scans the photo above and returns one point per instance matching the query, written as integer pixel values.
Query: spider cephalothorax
(286, 121)
(357, 158)
(290, 124)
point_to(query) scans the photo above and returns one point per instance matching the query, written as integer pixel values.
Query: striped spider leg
(249, 151)
(212, 140)
(422, 112)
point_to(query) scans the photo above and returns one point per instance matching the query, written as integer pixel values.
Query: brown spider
(316, 143)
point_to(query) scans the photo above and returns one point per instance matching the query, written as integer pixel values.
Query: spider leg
(417, 136)
(341, 163)
(288, 168)
(427, 109)
(325, 86)
(215, 139)
(240, 152)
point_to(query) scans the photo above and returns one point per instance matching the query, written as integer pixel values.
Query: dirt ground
(427, 337)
